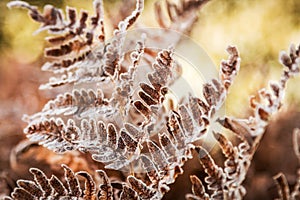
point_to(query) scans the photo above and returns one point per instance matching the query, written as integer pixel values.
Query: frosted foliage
(118, 108)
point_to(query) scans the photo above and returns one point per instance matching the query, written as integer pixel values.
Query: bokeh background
(259, 28)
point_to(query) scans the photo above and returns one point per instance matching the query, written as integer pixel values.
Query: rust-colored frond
(106, 190)
(90, 186)
(118, 106)
(184, 13)
(72, 182)
(128, 194)
(59, 188)
(176, 130)
(216, 177)
(197, 189)
(241, 128)
(152, 95)
(42, 187)
(141, 188)
(73, 38)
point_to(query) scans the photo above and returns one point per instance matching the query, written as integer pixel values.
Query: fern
(126, 121)
(227, 181)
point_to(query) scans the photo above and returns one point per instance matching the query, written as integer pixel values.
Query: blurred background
(259, 28)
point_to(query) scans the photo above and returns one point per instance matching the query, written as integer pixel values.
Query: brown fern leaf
(119, 149)
(122, 96)
(42, 181)
(77, 55)
(268, 102)
(42, 187)
(74, 36)
(230, 153)
(197, 189)
(49, 133)
(187, 120)
(157, 155)
(199, 109)
(53, 188)
(176, 130)
(130, 143)
(58, 187)
(19, 194)
(90, 186)
(30, 187)
(230, 67)
(128, 194)
(72, 181)
(233, 167)
(79, 103)
(215, 179)
(160, 79)
(168, 147)
(150, 168)
(113, 54)
(185, 11)
(241, 128)
(51, 18)
(141, 189)
(106, 190)
(250, 130)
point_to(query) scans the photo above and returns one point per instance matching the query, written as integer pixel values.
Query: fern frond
(73, 44)
(216, 177)
(106, 190)
(42, 187)
(160, 79)
(184, 13)
(141, 189)
(250, 131)
(197, 189)
(128, 194)
(90, 186)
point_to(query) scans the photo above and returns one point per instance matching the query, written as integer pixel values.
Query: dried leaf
(176, 130)
(128, 194)
(72, 181)
(58, 187)
(106, 190)
(157, 156)
(215, 179)
(21, 194)
(131, 144)
(112, 136)
(150, 168)
(90, 186)
(239, 127)
(30, 187)
(141, 188)
(42, 181)
(198, 188)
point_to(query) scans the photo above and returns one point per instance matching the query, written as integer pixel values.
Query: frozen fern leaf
(117, 108)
